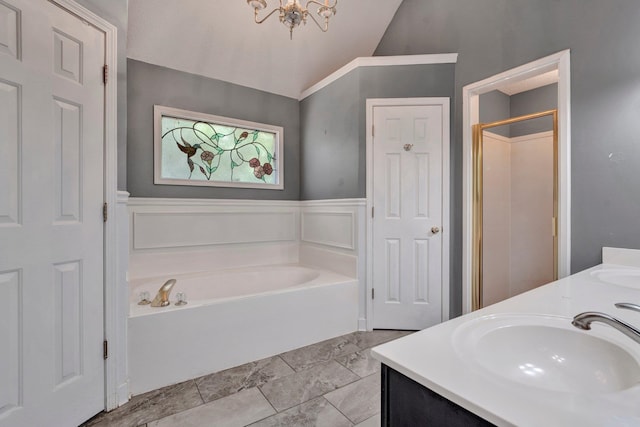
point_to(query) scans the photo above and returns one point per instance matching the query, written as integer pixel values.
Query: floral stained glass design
(201, 152)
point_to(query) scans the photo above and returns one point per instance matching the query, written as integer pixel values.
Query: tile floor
(332, 383)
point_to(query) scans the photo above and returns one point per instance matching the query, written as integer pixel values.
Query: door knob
(435, 230)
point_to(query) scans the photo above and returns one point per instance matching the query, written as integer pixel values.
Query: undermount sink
(546, 352)
(621, 277)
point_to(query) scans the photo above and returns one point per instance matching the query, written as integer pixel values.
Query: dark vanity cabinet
(407, 403)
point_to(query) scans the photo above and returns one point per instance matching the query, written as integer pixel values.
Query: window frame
(160, 111)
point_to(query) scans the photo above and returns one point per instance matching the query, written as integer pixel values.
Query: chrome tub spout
(583, 321)
(162, 297)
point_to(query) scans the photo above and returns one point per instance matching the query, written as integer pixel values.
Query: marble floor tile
(358, 401)
(289, 391)
(237, 410)
(368, 339)
(360, 362)
(332, 383)
(324, 351)
(150, 406)
(314, 413)
(254, 374)
(374, 421)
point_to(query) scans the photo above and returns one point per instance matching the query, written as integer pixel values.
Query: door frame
(110, 266)
(446, 141)
(560, 61)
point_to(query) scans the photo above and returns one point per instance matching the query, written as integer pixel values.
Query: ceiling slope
(218, 39)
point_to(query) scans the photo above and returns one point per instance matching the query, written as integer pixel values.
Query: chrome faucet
(162, 297)
(628, 306)
(583, 321)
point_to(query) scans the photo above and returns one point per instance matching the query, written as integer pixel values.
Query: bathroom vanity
(408, 403)
(521, 362)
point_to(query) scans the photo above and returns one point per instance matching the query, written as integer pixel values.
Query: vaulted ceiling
(218, 39)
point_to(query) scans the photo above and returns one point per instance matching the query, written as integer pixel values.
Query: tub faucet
(162, 297)
(583, 321)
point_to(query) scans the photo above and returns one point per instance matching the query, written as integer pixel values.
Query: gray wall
(117, 13)
(495, 35)
(151, 84)
(330, 140)
(333, 122)
(541, 99)
(495, 106)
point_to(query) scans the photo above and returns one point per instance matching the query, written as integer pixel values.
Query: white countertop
(434, 358)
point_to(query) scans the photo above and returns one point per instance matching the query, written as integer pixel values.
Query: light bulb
(326, 11)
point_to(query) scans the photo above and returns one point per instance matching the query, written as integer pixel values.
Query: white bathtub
(233, 317)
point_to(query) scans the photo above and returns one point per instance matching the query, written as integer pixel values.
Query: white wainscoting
(329, 228)
(165, 225)
(183, 235)
(163, 230)
(332, 237)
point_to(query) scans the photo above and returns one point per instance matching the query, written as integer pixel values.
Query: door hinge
(105, 208)
(554, 226)
(372, 211)
(373, 293)
(105, 73)
(105, 349)
(373, 130)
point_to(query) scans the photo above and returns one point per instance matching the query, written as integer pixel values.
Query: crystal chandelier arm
(260, 21)
(326, 19)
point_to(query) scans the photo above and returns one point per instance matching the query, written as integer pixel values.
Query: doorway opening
(557, 65)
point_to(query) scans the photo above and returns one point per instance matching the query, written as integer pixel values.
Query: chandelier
(293, 14)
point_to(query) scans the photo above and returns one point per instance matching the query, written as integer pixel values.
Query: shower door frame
(478, 204)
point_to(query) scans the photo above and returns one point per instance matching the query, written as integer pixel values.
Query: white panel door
(51, 229)
(407, 202)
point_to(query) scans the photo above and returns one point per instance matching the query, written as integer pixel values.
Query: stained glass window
(201, 149)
